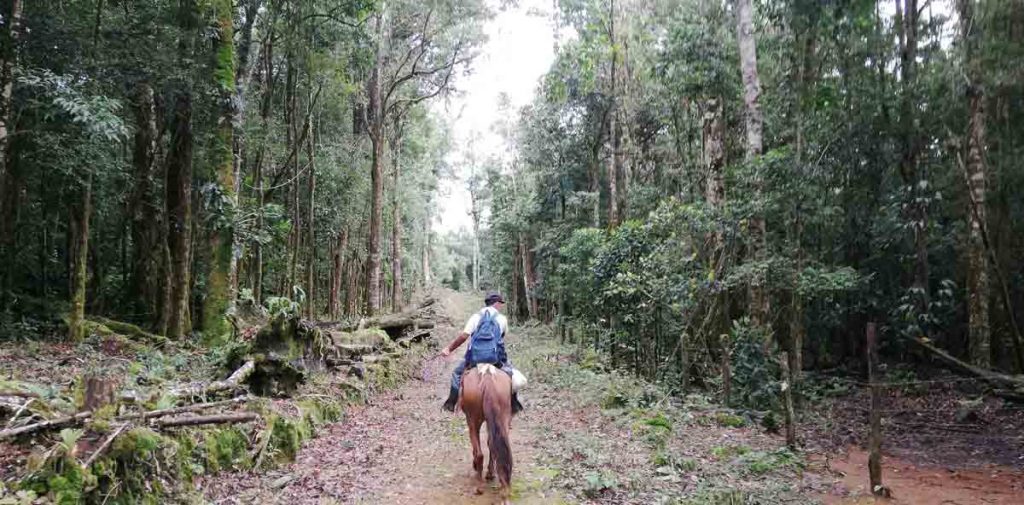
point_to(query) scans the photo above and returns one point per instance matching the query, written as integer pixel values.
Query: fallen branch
(240, 417)
(103, 447)
(1013, 382)
(19, 394)
(234, 381)
(152, 414)
(18, 413)
(42, 425)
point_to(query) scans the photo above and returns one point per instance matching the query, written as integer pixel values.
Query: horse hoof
(479, 490)
(490, 477)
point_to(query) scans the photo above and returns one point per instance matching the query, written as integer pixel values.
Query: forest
(235, 204)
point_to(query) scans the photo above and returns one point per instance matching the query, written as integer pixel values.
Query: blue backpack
(485, 345)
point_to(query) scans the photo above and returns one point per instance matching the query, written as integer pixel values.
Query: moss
(286, 437)
(729, 451)
(226, 449)
(729, 420)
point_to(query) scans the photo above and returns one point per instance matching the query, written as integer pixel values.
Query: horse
(486, 395)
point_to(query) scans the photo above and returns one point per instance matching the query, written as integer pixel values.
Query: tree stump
(98, 392)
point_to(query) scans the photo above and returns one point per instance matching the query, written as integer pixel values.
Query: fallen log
(1013, 382)
(48, 424)
(152, 414)
(238, 417)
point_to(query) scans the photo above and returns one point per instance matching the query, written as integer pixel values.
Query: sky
(519, 50)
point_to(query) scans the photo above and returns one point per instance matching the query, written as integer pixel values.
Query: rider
(487, 329)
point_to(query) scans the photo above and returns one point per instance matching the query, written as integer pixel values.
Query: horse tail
(497, 439)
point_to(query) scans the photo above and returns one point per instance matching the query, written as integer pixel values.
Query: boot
(453, 398)
(516, 406)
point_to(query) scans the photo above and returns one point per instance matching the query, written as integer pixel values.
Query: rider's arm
(455, 343)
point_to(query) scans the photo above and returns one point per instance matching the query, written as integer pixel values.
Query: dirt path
(401, 448)
(588, 436)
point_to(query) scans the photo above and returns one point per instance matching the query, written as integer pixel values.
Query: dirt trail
(401, 448)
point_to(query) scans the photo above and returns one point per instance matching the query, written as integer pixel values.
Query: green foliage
(755, 373)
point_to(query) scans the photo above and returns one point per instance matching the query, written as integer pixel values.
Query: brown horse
(487, 396)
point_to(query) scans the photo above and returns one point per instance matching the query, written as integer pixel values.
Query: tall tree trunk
(529, 276)
(143, 209)
(178, 202)
(78, 226)
(310, 230)
(977, 264)
(352, 287)
(219, 296)
(427, 277)
(292, 140)
(8, 187)
(242, 78)
(614, 131)
(337, 274)
(758, 307)
(396, 227)
(713, 137)
(266, 105)
(916, 207)
(377, 140)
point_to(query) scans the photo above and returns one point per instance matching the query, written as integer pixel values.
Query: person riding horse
(487, 346)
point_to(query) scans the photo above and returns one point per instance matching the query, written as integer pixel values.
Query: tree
(977, 262)
(759, 301)
(417, 54)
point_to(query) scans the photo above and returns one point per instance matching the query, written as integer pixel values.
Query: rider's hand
(446, 352)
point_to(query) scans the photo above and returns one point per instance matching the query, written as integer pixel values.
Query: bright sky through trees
(519, 49)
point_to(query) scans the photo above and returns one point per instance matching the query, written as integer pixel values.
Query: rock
(353, 350)
(282, 481)
(357, 370)
(375, 338)
(375, 359)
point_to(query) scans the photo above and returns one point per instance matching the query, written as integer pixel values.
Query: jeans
(457, 373)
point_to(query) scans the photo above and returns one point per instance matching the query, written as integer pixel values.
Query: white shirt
(474, 321)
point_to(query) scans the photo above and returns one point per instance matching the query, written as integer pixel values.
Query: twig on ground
(103, 447)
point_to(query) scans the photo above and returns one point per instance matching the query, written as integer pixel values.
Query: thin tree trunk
(758, 303)
(428, 279)
(977, 268)
(337, 274)
(614, 133)
(916, 208)
(265, 110)
(178, 203)
(78, 225)
(8, 186)
(396, 228)
(311, 232)
(352, 287)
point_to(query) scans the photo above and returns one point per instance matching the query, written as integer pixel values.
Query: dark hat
(493, 297)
